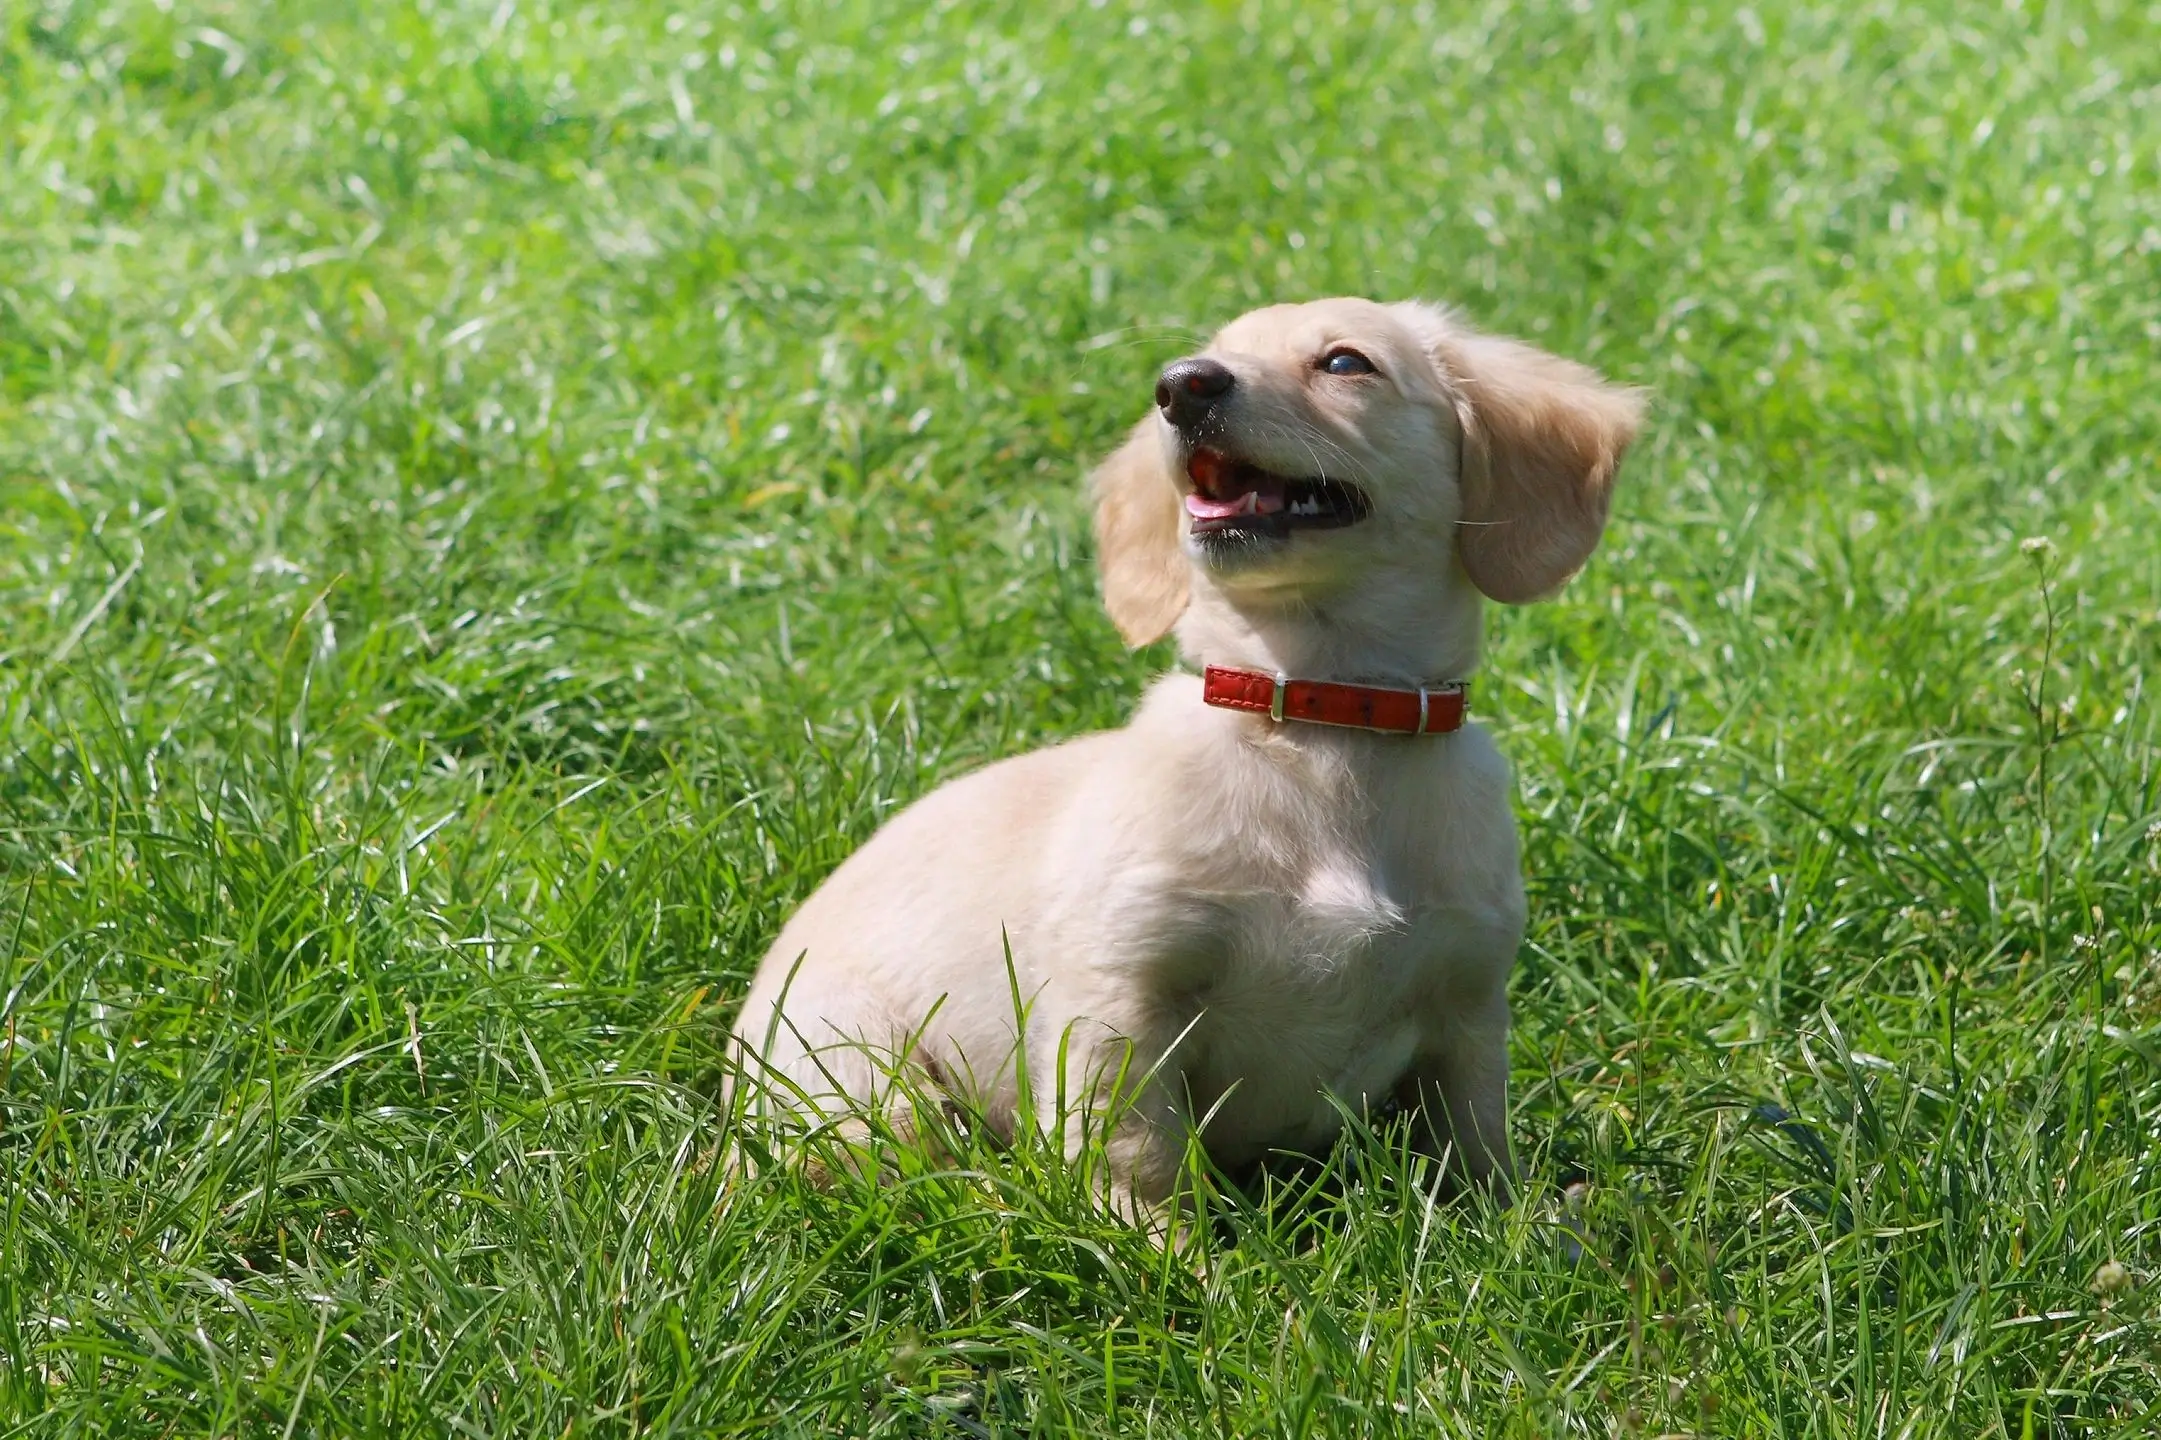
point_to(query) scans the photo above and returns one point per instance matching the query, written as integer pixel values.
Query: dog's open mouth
(1230, 494)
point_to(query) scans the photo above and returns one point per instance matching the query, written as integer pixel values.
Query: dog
(1290, 888)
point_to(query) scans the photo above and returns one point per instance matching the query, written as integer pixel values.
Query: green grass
(495, 502)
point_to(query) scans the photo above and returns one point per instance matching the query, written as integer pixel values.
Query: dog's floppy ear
(1145, 575)
(1542, 438)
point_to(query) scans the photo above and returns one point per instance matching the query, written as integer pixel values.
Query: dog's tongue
(1200, 507)
(1223, 488)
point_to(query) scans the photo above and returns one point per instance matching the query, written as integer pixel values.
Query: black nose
(1188, 389)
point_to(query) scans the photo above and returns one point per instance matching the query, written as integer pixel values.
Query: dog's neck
(1384, 635)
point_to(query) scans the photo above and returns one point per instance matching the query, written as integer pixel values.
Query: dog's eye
(1342, 361)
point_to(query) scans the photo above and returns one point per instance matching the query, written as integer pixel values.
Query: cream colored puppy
(1249, 919)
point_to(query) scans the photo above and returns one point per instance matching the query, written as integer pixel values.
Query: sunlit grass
(496, 501)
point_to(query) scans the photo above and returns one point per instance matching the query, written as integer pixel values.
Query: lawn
(497, 500)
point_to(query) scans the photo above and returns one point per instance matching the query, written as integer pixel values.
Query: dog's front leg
(1116, 1107)
(1459, 1088)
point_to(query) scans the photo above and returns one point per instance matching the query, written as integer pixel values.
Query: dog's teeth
(1249, 503)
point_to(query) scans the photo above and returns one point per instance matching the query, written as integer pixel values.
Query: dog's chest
(1314, 992)
(1312, 920)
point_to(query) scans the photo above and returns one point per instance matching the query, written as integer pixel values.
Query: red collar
(1427, 710)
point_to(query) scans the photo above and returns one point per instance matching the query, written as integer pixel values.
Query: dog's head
(1314, 451)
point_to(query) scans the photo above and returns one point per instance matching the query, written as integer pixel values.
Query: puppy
(1291, 885)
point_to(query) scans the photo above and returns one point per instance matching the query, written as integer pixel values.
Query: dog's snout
(1188, 389)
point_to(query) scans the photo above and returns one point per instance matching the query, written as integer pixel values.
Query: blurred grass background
(495, 501)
